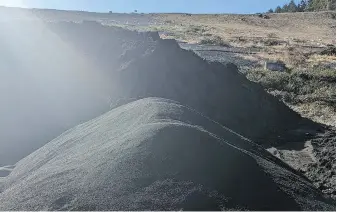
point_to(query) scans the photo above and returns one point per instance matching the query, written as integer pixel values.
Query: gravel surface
(224, 54)
(323, 172)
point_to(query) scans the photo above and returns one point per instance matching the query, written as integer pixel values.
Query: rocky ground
(323, 172)
(316, 159)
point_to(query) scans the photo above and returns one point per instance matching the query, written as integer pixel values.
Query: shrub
(310, 92)
(312, 83)
(295, 57)
(195, 29)
(272, 35)
(271, 42)
(214, 40)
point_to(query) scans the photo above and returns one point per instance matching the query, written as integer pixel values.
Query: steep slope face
(57, 75)
(217, 90)
(155, 154)
(143, 65)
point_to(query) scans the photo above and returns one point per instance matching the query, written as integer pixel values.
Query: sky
(148, 6)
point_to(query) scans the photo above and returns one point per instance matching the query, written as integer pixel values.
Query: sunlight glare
(12, 3)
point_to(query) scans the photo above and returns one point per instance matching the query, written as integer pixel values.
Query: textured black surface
(155, 154)
(57, 75)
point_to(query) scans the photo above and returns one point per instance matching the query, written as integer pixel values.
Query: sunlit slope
(155, 154)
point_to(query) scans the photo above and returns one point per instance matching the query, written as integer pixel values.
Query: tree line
(305, 6)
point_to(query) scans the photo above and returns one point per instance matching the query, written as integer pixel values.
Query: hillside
(316, 27)
(100, 65)
(296, 39)
(64, 68)
(312, 27)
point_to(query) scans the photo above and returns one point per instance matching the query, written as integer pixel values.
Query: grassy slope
(293, 38)
(317, 27)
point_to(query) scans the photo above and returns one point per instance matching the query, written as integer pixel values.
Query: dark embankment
(155, 154)
(57, 75)
(143, 65)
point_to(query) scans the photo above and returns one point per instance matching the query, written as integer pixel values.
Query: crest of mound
(155, 154)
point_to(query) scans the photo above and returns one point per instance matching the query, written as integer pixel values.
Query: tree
(278, 9)
(307, 6)
(302, 5)
(292, 7)
(270, 10)
(285, 8)
(333, 5)
(320, 5)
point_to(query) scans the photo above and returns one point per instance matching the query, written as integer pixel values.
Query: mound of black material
(144, 65)
(155, 154)
(57, 75)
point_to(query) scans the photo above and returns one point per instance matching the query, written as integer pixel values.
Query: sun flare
(12, 3)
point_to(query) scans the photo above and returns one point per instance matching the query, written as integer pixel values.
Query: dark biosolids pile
(155, 154)
(174, 139)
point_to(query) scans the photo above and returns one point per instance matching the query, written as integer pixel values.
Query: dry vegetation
(313, 27)
(293, 38)
(310, 92)
(308, 86)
